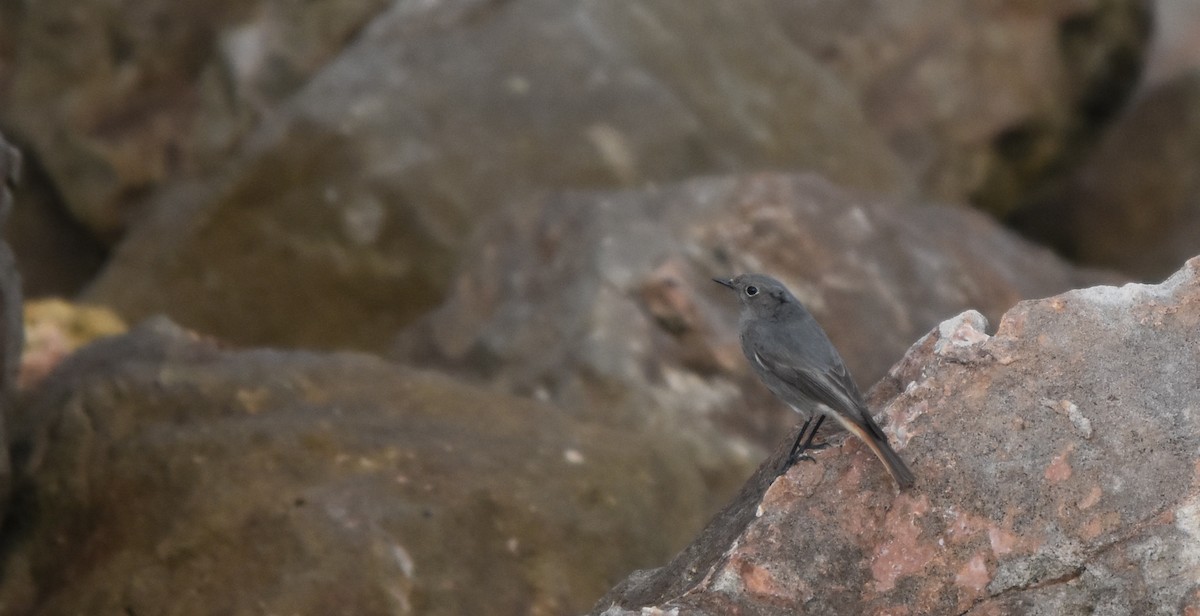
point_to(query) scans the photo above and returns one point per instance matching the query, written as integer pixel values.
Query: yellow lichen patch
(54, 329)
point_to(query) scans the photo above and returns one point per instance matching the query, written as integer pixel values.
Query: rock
(11, 330)
(1057, 474)
(604, 301)
(116, 99)
(58, 255)
(1175, 48)
(163, 474)
(985, 101)
(1134, 205)
(344, 218)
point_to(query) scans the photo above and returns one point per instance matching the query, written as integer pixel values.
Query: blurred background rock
(529, 197)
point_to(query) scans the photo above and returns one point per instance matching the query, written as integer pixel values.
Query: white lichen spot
(1082, 425)
(614, 149)
(517, 84)
(963, 331)
(727, 582)
(403, 560)
(363, 221)
(1187, 519)
(573, 456)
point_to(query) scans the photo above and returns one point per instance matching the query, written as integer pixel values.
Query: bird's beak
(728, 283)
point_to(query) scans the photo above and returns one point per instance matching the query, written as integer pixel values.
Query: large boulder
(1057, 473)
(58, 255)
(343, 217)
(984, 101)
(164, 474)
(116, 98)
(1175, 48)
(604, 301)
(12, 331)
(1134, 205)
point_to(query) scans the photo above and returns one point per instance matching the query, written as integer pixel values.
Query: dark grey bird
(794, 358)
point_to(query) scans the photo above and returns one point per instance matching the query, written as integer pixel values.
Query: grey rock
(604, 301)
(344, 217)
(1175, 47)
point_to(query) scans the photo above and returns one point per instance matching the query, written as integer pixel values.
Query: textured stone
(1175, 48)
(984, 101)
(163, 474)
(1134, 205)
(343, 218)
(116, 98)
(58, 255)
(1057, 474)
(604, 301)
(11, 329)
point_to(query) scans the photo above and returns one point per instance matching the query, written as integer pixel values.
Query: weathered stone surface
(604, 300)
(984, 101)
(1135, 203)
(116, 98)
(11, 328)
(343, 218)
(163, 474)
(1175, 47)
(58, 255)
(1057, 474)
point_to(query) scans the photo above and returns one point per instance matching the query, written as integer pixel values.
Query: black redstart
(794, 358)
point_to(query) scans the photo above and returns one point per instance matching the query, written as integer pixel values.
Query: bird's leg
(801, 444)
(808, 444)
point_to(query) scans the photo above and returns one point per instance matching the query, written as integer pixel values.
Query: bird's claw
(800, 456)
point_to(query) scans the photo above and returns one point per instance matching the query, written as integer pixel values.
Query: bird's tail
(891, 460)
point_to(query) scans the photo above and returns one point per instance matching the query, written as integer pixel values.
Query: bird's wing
(824, 379)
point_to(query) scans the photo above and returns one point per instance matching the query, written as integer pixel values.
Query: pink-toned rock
(1016, 510)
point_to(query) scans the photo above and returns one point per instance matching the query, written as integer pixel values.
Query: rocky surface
(344, 216)
(984, 101)
(604, 301)
(58, 255)
(1175, 47)
(117, 98)
(1135, 204)
(11, 328)
(371, 175)
(1057, 474)
(162, 474)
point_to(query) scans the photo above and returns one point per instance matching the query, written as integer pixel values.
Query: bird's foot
(798, 456)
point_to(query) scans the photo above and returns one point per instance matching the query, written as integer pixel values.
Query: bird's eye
(751, 291)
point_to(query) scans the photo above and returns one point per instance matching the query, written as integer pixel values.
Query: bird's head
(759, 294)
